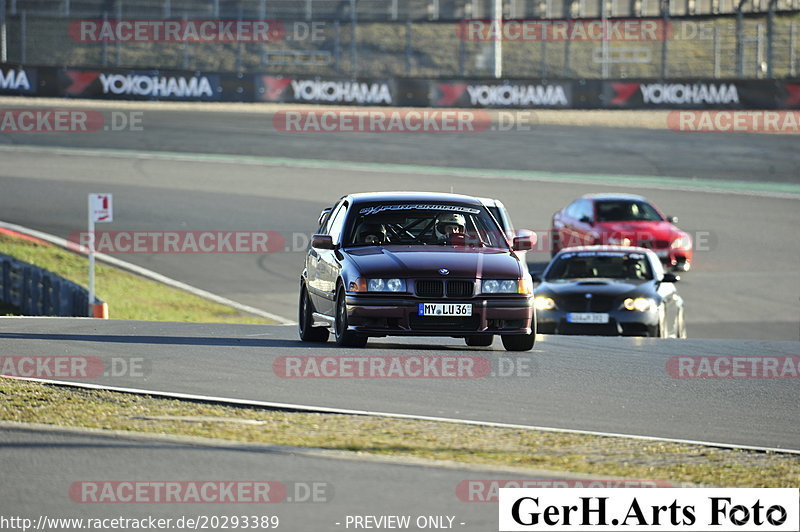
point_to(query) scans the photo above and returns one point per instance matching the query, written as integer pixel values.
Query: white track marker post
(100, 210)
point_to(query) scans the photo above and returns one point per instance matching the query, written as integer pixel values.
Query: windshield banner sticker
(417, 207)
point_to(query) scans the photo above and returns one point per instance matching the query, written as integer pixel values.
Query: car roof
(614, 196)
(619, 249)
(491, 202)
(365, 197)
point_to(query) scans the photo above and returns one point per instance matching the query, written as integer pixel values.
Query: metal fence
(32, 291)
(394, 10)
(757, 39)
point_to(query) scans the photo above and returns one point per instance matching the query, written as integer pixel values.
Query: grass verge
(129, 296)
(619, 457)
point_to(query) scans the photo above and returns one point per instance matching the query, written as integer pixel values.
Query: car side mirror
(524, 240)
(322, 242)
(586, 220)
(672, 219)
(670, 278)
(524, 243)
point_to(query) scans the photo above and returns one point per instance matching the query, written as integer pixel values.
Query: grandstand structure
(742, 39)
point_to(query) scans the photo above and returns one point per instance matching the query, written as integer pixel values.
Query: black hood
(608, 287)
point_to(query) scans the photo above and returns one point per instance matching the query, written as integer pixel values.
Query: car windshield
(626, 211)
(587, 265)
(436, 224)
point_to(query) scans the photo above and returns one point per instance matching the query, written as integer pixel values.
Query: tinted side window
(572, 210)
(324, 222)
(326, 225)
(497, 216)
(658, 269)
(504, 218)
(337, 223)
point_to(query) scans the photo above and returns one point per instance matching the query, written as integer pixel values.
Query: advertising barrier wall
(176, 85)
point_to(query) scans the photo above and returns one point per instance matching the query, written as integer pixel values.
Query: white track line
(149, 274)
(329, 410)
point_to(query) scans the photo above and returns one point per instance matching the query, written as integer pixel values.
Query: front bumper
(397, 316)
(620, 323)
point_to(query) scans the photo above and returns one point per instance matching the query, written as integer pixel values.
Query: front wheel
(661, 329)
(519, 342)
(345, 338)
(479, 341)
(682, 266)
(305, 321)
(681, 332)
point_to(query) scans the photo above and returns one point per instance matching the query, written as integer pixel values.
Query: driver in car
(449, 227)
(372, 234)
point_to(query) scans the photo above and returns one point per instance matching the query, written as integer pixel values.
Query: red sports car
(623, 220)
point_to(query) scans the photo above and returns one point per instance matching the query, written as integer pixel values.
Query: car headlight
(386, 285)
(613, 241)
(682, 242)
(507, 286)
(642, 304)
(544, 303)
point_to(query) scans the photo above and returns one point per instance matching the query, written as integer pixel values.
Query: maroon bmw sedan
(415, 264)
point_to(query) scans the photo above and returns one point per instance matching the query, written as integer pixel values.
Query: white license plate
(587, 317)
(445, 309)
(662, 253)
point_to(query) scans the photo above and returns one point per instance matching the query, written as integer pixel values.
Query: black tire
(305, 319)
(479, 341)
(345, 338)
(519, 342)
(661, 328)
(682, 266)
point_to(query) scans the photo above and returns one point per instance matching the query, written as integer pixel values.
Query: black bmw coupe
(609, 290)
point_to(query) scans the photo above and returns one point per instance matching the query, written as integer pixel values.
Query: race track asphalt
(611, 385)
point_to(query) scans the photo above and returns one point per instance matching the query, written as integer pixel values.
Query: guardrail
(34, 291)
